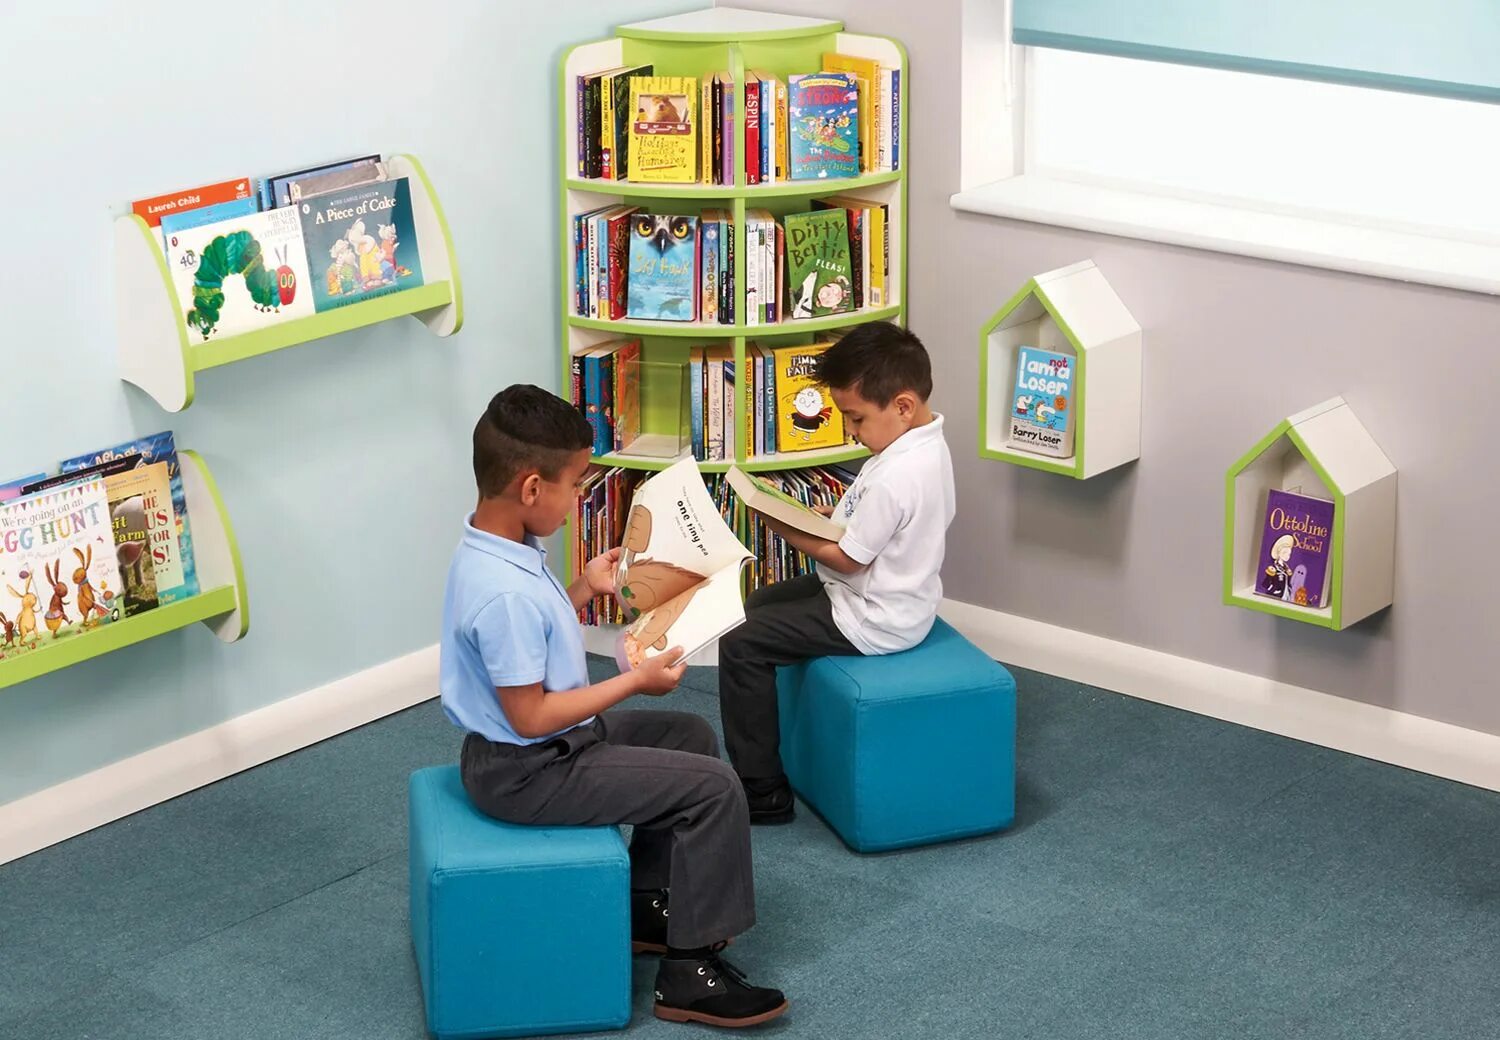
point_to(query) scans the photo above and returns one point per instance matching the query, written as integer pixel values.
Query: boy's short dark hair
(876, 361)
(525, 427)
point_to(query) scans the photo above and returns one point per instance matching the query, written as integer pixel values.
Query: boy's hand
(599, 572)
(657, 675)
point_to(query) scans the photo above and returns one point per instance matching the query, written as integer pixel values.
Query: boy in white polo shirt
(876, 590)
(542, 749)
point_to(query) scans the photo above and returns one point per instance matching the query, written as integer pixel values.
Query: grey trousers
(657, 770)
(787, 622)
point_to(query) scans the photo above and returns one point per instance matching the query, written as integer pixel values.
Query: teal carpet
(1168, 876)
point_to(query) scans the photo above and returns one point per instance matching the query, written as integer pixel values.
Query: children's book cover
(824, 130)
(167, 520)
(818, 265)
(664, 129)
(57, 565)
(866, 72)
(133, 496)
(152, 210)
(1041, 413)
(361, 243)
(241, 274)
(663, 266)
(276, 192)
(806, 417)
(1294, 549)
(14, 488)
(627, 394)
(191, 218)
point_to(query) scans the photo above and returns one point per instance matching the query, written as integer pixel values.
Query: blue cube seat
(905, 749)
(518, 931)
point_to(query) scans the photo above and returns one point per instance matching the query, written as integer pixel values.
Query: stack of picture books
(790, 411)
(105, 538)
(606, 387)
(775, 560)
(246, 253)
(1042, 402)
(1295, 548)
(640, 266)
(841, 121)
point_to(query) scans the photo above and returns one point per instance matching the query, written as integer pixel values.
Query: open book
(765, 497)
(679, 573)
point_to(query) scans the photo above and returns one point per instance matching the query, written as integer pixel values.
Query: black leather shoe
(770, 800)
(710, 990)
(648, 921)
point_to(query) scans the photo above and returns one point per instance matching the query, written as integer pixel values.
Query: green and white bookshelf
(1324, 452)
(1072, 310)
(223, 604)
(696, 44)
(158, 355)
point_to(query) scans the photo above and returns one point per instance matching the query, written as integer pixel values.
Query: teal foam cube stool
(906, 749)
(518, 931)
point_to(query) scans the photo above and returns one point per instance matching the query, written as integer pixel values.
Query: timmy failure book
(361, 243)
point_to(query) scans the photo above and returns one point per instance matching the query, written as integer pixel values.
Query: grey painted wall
(1232, 346)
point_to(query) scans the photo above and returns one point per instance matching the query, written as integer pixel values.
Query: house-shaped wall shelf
(160, 354)
(1072, 311)
(222, 603)
(1327, 453)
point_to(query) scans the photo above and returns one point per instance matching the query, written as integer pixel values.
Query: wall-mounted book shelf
(1072, 311)
(161, 355)
(223, 605)
(1327, 453)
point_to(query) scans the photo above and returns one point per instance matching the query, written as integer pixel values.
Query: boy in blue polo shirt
(539, 748)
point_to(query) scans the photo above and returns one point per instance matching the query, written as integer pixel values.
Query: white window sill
(1317, 242)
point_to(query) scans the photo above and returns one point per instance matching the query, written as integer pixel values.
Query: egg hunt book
(806, 417)
(241, 274)
(764, 497)
(1042, 409)
(663, 129)
(1294, 549)
(57, 565)
(167, 521)
(678, 579)
(360, 243)
(824, 128)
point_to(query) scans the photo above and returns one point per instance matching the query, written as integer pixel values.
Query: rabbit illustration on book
(26, 619)
(8, 627)
(85, 605)
(56, 616)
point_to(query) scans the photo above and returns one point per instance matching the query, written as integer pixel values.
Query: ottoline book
(1041, 413)
(761, 495)
(678, 579)
(1294, 549)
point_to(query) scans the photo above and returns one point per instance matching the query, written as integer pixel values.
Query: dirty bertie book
(1295, 548)
(361, 243)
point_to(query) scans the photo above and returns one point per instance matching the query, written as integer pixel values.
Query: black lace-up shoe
(648, 921)
(770, 800)
(710, 990)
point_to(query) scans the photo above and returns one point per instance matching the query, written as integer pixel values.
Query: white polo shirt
(895, 516)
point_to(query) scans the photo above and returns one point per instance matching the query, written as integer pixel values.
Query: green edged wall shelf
(1327, 453)
(1071, 310)
(158, 355)
(222, 605)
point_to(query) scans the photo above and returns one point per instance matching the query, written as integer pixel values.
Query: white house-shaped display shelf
(1327, 453)
(1072, 311)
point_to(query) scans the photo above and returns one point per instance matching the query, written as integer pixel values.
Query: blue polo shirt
(506, 622)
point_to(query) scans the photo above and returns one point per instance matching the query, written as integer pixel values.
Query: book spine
(711, 275)
(767, 131)
(695, 392)
(865, 247)
(768, 384)
(591, 127)
(717, 125)
(606, 127)
(729, 156)
(604, 439)
(580, 257)
(619, 230)
(705, 136)
(895, 119)
(730, 282)
(768, 271)
(752, 132)
(879, 123)
(575, 368)
(752, 272)
(781, 292)
(856, 256)
(592, 400)
(591, 266)
(580, 144)
(757, 387)
(783, 133)
(714, 376)
(877, 251)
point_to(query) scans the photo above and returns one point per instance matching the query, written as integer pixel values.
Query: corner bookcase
(222, 605)
(1327, 452)
(158, 355)
(1072, 310)
(696, 44)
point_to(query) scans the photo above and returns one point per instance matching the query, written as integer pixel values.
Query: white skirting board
(151, 777)
(1438, 748)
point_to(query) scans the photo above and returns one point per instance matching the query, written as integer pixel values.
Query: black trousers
(657, 770)
(785, 623)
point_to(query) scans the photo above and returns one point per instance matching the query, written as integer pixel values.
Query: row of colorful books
(248, 253)
(604, 504)
(638, 266)
(841, 121)
(606, 385)
(106, 537)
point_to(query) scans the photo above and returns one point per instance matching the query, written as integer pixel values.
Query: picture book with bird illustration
(58, 576)
(678, 579)
(1042, 409)
(663, 129)
(1295, 549)
(806, 417)
(360, 243)
(240, 274)
(824, 125)
(662, 284)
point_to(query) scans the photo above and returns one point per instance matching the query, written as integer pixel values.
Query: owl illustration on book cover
(663, 267)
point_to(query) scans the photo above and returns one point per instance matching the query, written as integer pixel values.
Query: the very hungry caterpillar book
(678, 579)
(1041, 413)
(361, 243)
(240, 274)
(1295, 549)
(57, 564)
